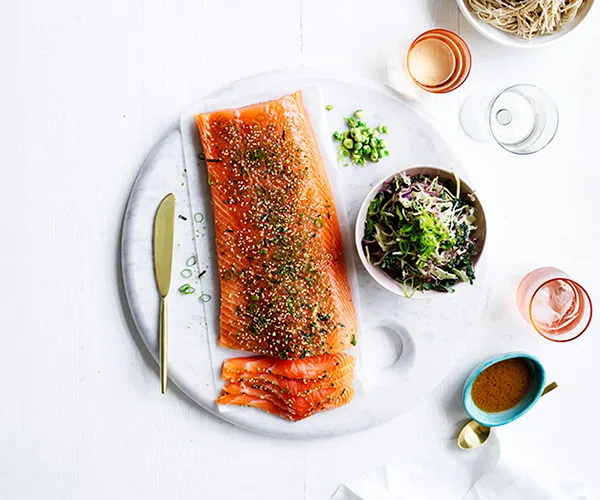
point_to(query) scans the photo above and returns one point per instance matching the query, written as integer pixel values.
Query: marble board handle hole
(387, 351)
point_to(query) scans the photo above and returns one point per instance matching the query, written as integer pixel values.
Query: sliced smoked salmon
(313, 368)
(300, 405)
(284, 288)
(296, 387)
(237, 394)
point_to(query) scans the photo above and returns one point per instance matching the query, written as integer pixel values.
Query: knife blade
(164, 229)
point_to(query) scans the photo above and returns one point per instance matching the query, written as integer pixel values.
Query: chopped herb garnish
(290, 306)
(191, 261)
(186, 289)
(353, 340)
(205, 297)
(198, 217)
(186, 273)
(329, 107)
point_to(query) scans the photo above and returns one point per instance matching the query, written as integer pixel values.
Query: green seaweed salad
(421, 233)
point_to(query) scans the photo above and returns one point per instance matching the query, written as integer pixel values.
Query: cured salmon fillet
(242, 396)
(313, 368)
(284, 288)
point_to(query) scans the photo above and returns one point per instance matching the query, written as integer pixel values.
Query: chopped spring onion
(186, 273)
(198, 217)
(361, 143)
(205, 297)
(191, 261)
(329, 107)
(186, 289)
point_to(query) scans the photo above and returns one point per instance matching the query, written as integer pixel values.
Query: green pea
(359, 113)
(382, 143)
(348, 143)
(357, 145)
(337, 136)
(385, 152)
(367, 150)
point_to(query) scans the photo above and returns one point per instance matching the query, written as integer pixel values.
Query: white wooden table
(88, 87)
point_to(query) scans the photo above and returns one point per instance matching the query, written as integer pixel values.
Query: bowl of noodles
(524, 23)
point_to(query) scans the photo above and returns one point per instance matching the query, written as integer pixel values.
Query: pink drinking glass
(558, 307)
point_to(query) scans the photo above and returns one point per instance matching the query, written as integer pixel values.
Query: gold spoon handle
(163, 344)
(549, 387)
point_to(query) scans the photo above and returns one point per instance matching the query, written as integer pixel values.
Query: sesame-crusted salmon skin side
(284, 288)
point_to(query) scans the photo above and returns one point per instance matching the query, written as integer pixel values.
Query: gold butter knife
(164, 228)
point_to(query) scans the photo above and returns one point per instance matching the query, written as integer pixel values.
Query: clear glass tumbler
(558, 307)
(523, 119)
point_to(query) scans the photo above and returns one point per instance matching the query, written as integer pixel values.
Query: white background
(87, 87)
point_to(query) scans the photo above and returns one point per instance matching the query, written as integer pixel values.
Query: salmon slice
(297, 387)
(300, 405)
(284, 288)
(314, 368)
(245, 397)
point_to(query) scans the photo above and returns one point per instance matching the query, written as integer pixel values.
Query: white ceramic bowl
(510, 40)
(381, 277)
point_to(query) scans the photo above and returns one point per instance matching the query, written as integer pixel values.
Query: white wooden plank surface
(86, 89)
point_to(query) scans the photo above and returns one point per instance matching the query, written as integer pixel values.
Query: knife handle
(163, 344)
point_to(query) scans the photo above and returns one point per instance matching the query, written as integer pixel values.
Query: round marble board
(406, 347)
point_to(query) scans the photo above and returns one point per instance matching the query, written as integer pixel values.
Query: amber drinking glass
(438, 61)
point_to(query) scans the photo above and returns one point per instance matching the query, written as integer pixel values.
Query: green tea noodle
(526, 18)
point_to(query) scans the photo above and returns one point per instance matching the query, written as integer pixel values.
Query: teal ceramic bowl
(505, 417)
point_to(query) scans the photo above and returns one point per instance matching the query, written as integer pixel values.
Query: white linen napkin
(445, 474)
(454, 474)
(509, 483)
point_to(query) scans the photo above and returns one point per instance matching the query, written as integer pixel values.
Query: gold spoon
(473, 434)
